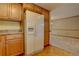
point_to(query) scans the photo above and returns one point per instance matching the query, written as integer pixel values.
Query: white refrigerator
(34, 32)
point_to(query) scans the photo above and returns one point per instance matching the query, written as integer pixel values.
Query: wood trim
(10, 20)
(22, 29)
(41, 7)
(21, 54)
(47, 45)
(34, 6)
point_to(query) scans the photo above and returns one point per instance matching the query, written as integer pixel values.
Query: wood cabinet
(11, 45)
(2, 45)
(11, 11)
(16, 11)
(14, 45)
(4, 11)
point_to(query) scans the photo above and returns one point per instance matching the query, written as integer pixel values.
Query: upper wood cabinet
(2, 45)
(4, 11)
(16, 11)
(11, 11)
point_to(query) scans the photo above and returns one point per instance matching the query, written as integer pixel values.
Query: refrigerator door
(29, 32)
(39, 31)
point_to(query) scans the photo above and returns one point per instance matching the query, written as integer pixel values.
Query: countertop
(9, 32)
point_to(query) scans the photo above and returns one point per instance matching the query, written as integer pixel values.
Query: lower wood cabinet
(11, 45)
(2, 45)
(14, 45)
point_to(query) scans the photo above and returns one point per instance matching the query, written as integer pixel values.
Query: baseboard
(46, 45)
(21, 54)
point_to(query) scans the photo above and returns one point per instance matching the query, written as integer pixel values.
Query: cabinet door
(14, 46)
(16, 11)
(2, 46)
(4, 11)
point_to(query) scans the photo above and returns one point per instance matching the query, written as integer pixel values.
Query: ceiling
(52, 6)
(48, 6)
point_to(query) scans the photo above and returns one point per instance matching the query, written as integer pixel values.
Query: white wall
(65, 28)
(65, 10)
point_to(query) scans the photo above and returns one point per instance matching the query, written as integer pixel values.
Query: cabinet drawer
(14, 36)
